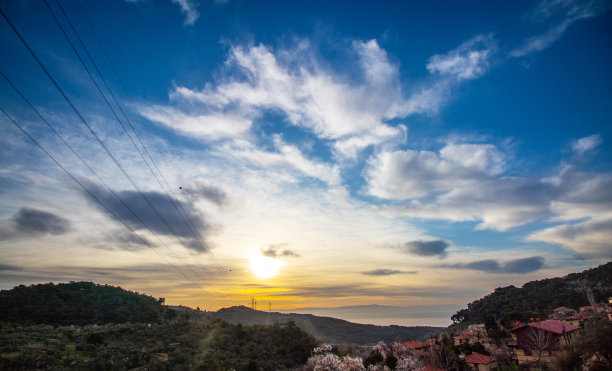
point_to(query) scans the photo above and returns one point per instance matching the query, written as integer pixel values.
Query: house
(573, 320)
(480, 362)
(587, 310)
(464, 338)
(422, 348)
(563, 312)
(539, 340)
(431, 344)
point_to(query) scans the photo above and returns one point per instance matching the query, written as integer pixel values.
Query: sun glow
(264, 267)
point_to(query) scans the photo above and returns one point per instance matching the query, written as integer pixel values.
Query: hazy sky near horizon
(398, 158)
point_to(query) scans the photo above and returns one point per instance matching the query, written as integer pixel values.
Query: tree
(540, 341)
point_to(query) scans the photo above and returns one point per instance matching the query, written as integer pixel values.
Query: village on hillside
(568, 339)
(536, 344)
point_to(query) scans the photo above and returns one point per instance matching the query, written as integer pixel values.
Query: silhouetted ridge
(76, 303)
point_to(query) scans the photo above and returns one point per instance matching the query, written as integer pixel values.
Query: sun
(264, 267)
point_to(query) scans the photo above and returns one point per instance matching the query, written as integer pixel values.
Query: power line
(173, 200)
(84, 121)
(88, 166)
(92, 195)
(101, 45)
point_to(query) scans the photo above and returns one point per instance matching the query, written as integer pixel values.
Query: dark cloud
(488, 265)
(386, 272)
(426, 248)
(8, 267)
(274, 251)
(524, 265)
(210, 193)
(32, 222)
(173, 223)
(40, 222)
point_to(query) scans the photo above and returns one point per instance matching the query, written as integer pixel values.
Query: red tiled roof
(551, 325)
(413, 344)
(554, 326)
(478, 358)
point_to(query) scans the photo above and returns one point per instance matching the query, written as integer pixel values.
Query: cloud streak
(516, 266)
(567, 13)
(386, 272)
(277, 251)
(426, 248)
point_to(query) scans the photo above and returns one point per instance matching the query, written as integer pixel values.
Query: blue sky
(406, 158)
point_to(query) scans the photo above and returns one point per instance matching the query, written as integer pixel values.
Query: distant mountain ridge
(540, 298)
(327, 329)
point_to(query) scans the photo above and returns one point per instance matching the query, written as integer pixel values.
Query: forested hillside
(540, 298)
(189, 341)
(76, 303)
(326, 329)
(86, 326)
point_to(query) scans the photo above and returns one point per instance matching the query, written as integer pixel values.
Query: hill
(540, 298)
(326, 329)
(77, 303)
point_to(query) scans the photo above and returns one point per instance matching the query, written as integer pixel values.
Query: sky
(381, 162)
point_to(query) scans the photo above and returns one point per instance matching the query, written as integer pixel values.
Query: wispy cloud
(190, 8)
(582, 145)
(468, 61)
(564, 13)
(348, 114)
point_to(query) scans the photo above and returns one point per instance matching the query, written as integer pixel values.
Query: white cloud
(589, 239)
(463, 183)
(349, 115)
(468, 61)
(497, 203)
(211, 126)
(289, 159)
(586, 144)
(412, 174)
(189, 7)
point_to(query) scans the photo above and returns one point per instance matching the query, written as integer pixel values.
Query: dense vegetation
(329, 330)
(82, 325)
(540, 298)
(189, 341)
(76, 303)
